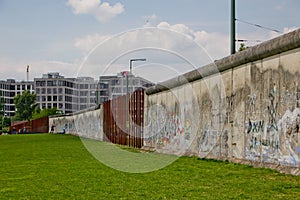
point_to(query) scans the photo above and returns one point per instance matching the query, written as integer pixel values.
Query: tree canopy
(38, 113)
(2, 124)
(25, 105)
(1, 104)
(243, 47)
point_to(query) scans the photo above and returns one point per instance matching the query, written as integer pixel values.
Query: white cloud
(216, 44)
(149, 20)
(102, 11)
(176, 46)
(90, 41)
(173, 47)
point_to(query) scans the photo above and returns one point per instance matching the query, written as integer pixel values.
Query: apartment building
(11, 88)
(70, 94)
(110, 87)
(66, 94)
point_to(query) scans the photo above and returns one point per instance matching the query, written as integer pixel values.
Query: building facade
(110, 87)
(66, 94)
(70, 94)
(11, 88)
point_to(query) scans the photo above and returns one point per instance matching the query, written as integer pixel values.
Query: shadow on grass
(127, 159)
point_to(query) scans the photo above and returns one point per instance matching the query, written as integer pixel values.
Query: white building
(11, 88)
(110, 87)
(66, 94)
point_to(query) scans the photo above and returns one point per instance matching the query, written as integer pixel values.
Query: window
(103, 93)
(43, 98)
(82, 100)
(54, 91)
(43, 90)
(82, 107)
(49, 105)
(103, 99)
(68, 98)
(62, 83)
(93, 86)
(68, 91)
(83, 93)
(92, 100)
(49, 91)
(49, 83)
(37, 90)
(54, 98)
(49, 98)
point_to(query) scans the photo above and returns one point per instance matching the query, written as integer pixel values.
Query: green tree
(1, 111)
(242, 47)
(1, 104)
(38, 113)
(25, 105)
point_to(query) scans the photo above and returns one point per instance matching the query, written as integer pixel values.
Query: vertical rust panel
(115, 122)
(40, 125)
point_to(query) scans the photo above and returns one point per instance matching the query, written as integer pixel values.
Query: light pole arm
(132, 60)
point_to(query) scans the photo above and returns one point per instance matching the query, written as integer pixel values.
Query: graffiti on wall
(88, 124)
(271, 136)
(170, 129)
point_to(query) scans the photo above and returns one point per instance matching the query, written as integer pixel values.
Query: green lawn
(48, 166)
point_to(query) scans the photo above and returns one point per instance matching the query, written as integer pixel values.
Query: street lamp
(133, 60)
(127, 100)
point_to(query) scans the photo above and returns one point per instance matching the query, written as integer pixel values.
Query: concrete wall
(87, 124)
(244, 107)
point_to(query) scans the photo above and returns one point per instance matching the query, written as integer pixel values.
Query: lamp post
(232, 28)
(128, 127)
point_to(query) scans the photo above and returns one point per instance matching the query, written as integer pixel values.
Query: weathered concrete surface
(243, 108)
(87, 124)
(266, 49)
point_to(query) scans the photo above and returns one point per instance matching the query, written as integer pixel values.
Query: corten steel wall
(243, 108)
(40, 125)
(124, 124)
(108, 123)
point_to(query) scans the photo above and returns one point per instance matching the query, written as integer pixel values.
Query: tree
(1, 104)
(1, 110)
(25, 105)
(242, 47)
(38, 113)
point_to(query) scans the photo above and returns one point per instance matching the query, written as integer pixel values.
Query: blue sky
(58, 35)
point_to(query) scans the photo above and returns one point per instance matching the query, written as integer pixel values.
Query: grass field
(48, 166)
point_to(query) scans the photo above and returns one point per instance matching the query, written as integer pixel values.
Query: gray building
(110, 87)
(66, 94)
(11, 88)
(70, 94)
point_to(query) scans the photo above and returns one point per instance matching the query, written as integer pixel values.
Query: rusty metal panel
(123, 119)
(40, 125)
